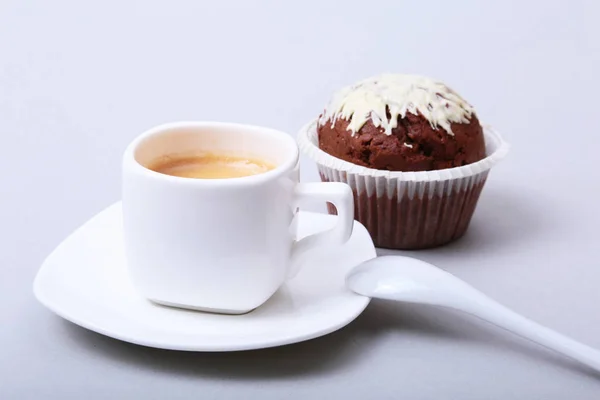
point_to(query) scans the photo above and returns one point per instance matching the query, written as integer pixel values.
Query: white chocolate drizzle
(395, 95)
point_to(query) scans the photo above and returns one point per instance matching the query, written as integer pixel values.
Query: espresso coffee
(210, 166)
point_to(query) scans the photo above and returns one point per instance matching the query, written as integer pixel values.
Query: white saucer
(85, 281)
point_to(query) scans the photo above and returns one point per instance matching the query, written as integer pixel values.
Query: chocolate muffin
(396, 135)
(413, 152)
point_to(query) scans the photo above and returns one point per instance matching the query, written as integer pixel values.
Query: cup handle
(341, 196)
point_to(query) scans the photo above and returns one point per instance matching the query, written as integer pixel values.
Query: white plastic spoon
(410, 280)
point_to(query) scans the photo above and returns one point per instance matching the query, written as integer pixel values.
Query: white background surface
(79, 81)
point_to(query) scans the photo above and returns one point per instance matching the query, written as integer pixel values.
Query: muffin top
(401, 123)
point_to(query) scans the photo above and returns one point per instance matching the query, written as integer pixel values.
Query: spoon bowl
(409, 280)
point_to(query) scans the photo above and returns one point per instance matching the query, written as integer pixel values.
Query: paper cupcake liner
(409, 210)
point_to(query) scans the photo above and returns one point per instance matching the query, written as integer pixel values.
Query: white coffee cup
(219, 245)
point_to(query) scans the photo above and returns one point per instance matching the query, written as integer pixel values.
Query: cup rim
(130, 162)
(311, 149)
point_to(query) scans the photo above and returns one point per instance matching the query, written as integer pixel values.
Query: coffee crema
(209, 166)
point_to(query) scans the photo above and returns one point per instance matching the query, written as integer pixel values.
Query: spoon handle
(499, 315)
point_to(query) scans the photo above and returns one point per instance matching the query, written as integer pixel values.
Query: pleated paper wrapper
(409, 210)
